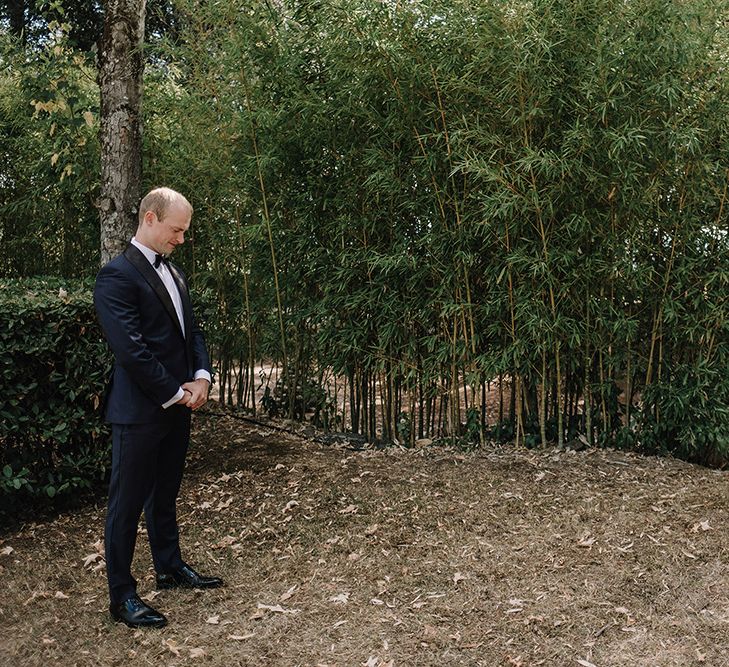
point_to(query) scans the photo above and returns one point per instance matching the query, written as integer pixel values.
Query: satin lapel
(186, 308)
(139, 261)
(184, 295)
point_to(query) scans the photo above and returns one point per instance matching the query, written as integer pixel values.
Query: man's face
(169, 232)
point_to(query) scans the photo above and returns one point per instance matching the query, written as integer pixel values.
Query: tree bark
(121, 68)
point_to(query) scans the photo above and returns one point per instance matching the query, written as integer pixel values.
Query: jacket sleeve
(115, 300)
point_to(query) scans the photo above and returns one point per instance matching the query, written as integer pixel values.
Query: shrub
(689, 415)
(54, 365)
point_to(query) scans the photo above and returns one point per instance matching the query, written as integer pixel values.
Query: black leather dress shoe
(186, 577)
(136, 614)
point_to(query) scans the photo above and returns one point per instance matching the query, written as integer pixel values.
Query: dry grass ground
(394, 557)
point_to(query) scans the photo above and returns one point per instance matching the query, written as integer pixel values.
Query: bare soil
(338, 557)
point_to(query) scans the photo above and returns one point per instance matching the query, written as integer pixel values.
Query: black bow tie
(160, 259)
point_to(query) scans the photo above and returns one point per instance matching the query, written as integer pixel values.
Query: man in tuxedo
(161, 373)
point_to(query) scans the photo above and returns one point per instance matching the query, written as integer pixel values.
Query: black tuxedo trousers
(147, 465)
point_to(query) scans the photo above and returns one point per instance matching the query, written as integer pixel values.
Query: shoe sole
(166, 587)
(155, 624)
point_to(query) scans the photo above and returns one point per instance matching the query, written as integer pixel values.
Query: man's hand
(186, 394)
(198, 393)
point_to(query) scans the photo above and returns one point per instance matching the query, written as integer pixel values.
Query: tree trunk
(120, 80)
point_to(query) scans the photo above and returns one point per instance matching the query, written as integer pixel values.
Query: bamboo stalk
(412, 420)
(501, 398)
(267, 219)
(543, 401)
(516, 390)
(344, 402)
(249, 327)
(603, 406)
(373, 406)
(552, 303)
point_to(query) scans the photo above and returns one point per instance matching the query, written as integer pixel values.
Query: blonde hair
(160, 200)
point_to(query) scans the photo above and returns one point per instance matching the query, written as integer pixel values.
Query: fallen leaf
(701, 525)
(350, 509)
(371, 661)
(213, 620)
(240, 638)
(587, 541)
(224, 505)
(342, 598)
(172, 647)
(288, 593)
(430, 631)
(91, 558)
(6, 551)
(48, 640)
(277, 608)
(585, 663)
(371, 530)
(338, 624)
(458, 577)
(60, 595)
(35, 596)
(197, 653)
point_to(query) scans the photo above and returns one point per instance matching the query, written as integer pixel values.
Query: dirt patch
(396, 557)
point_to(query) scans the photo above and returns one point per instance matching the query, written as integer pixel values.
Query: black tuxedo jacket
(152, 357)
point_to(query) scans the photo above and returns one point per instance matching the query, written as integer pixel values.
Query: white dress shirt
(163, 271)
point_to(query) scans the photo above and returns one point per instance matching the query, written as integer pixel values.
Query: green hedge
(54, 365)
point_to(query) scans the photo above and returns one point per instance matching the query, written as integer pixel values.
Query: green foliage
(700, 391)
(84, 20)
(55, 366)
(423, 199)
(49, 154)
(12, 481)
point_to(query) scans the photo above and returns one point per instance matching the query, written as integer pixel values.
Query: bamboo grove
(471, 219)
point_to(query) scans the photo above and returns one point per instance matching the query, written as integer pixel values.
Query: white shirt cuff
(180, 393)
(202, 373)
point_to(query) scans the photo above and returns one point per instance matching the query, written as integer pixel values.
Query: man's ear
(150, 217)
